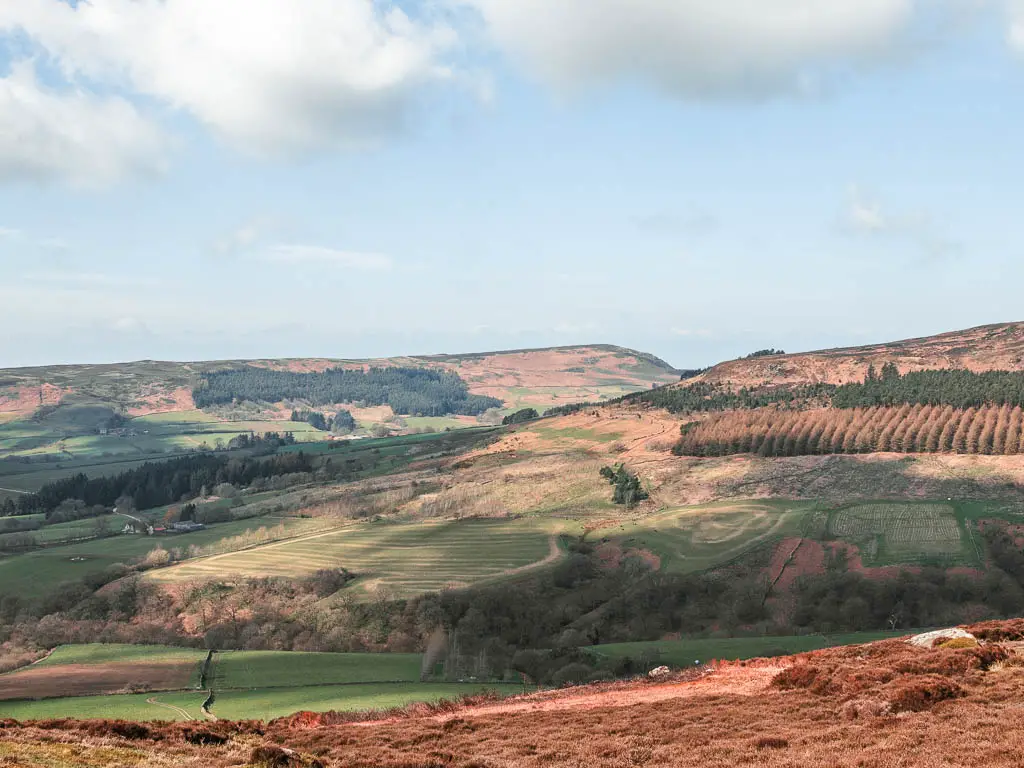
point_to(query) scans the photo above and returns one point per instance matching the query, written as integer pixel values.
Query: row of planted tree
(990, 429)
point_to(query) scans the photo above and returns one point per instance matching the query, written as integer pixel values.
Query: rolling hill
(986, 348)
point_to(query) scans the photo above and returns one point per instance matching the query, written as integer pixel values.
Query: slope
(986, 348)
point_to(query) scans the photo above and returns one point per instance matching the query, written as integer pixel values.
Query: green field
(269, 703)
(403, 558)
(685, 653)
(691, 539)
(36, 572)
(129, 706)
(114, 653)
(263, 704)
(274, 669)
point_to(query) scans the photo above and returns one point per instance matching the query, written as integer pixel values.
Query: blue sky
(694, 178)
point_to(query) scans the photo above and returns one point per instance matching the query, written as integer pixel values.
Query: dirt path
(15, 490)
(185, 715)
(734, 681)
(554, 555)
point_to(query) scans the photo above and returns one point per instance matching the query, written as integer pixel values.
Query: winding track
(184, 714)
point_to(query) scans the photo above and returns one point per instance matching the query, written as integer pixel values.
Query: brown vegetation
(989, 430)
(990, 347)
(40, 682)
(875, 706)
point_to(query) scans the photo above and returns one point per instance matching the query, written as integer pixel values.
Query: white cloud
(1016, 33)
(264, 74)
(48, 134)
(9, 233)
(702, 48)
(868, 217)
(865, 215)
(311, 254)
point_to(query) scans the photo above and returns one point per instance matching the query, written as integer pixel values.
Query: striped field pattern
(404, 559)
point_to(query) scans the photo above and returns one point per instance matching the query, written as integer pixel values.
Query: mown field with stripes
(404, 559)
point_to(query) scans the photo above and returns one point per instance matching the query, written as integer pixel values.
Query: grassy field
(114, 653)
(693, 539)
(130, 706)
(262, 704)
(37, 572)
(685, 653)
(273, 669)
(402, 558)
(266, 704)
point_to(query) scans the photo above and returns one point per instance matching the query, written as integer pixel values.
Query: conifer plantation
(988, 429)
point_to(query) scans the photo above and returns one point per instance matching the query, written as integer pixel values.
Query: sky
(698, 179)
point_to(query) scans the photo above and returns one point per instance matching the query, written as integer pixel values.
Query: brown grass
(878, 706)
(93, 679)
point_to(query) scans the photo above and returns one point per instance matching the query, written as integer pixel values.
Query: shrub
(771, 742)
(955, 643)
(922, 693)
(571, 674)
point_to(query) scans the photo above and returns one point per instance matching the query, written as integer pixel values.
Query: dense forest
(706, 397)
(959, 388)
(409, 391)
(990, 429)
(160, 483)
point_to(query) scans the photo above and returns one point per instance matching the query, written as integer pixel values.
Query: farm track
(737, 681)
(152, 700)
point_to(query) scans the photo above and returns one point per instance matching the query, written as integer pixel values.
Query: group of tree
(521, 416)
(628, 489)
(341, 422)
(531, 625)
(160, 483)
(412, 391)
(990, 429)
(959, 388)
(704, 397)
(763, 353)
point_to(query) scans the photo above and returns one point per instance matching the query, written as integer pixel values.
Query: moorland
(767, 506)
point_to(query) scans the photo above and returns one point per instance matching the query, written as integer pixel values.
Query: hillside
(986, 348)
(912, 702)
(73, 416)
(538, 377)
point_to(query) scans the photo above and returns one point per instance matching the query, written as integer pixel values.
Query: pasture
(261, 704)
(398, 559)
(896, 533)
(684, 653)
(81, 670)
(690, 539)
(273, 669)
(37, 572)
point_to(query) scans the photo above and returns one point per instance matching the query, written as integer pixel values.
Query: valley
(331, 574)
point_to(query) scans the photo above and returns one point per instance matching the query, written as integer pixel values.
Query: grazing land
(71, 671)
(275, 669)
(686, 653)
(401, 559)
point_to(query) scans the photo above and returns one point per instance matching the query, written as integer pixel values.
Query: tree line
(704, 397)
(990, 429)
(959, 388)
(412, 391)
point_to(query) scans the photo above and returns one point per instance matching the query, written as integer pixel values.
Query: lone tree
(628, 489)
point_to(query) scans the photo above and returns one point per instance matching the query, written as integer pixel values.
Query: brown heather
(883, 705)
